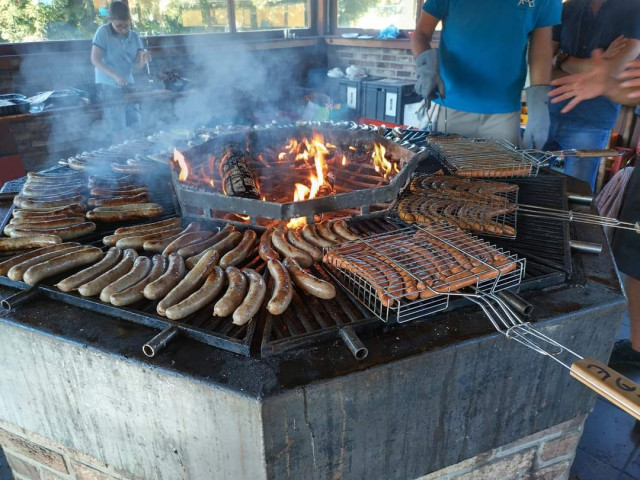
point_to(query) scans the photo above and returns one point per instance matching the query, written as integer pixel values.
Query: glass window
(165, 17)
(376, 14)
(42, 20)
(271, 14)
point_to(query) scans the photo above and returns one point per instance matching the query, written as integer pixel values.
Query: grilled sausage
(185, 240)
(122, 214)
(199, 247)
(121, 200)
(234, 295)
(324, 230)
(163, 285)
(27, 204)
(70, 210)
(201, 297)
(253, 300)
(282, 288)
(310, 235)
(45, 196)
(307, 282)
(134, 293)
(144, 228)
(158, 245)
(40, 212)
(117, 192)
(289, 251)
(137, 242)
(222, 246)
(16, 273)
(54, 176)
(342, 229)
(139, 270)
(63, 263)
(112, 240)
(6, 265)
(95, 286)
(32, 241)
(192, 281)
(74, 281)
(297, 241)
(65, 233)
(265, 250)
(241, 251)
(51, 222)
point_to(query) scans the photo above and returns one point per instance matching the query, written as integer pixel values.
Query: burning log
(237, 178)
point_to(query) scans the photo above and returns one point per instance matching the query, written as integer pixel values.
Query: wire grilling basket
(478, 206)
(477, 157)
(407, 274)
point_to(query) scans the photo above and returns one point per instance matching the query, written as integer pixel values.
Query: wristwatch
(560, 58)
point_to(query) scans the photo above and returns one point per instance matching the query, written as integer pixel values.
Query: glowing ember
(344, 160)
(182, 162)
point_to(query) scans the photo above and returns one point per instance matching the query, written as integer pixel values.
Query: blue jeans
(564, 135)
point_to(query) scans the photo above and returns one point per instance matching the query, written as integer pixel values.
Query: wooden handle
(597, 153)
(608, 383)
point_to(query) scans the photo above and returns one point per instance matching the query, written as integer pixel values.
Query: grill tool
(488, 158)
(460, 216)
(392, 247)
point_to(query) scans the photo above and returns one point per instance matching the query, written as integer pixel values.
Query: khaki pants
(505, 126)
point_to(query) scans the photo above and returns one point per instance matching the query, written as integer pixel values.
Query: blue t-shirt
(580, 33)
(119, 53)
(483, 49)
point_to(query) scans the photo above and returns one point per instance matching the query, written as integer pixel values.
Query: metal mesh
(482, 158)
(482, 207)
(409, 273)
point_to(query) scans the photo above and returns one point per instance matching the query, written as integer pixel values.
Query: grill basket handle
(597, 153)
(608, 383)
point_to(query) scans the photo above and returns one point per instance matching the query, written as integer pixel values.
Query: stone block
(557, 471)
(22, 467)
(49, 475)
(508, 467)
(28, 449)
(559, 448)
(85, 472)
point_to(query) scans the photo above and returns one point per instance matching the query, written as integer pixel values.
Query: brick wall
(546, 455)
(383, 62)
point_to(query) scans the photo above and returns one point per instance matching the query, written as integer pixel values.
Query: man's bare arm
(423, 34)
(620, 52)
(540, 56)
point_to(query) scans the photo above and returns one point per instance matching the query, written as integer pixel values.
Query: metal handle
(581, 199)
(354, 344)
(597, 153)
(157, 343)
(585, 247)
(609, 384)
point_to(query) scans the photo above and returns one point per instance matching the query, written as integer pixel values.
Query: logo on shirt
(527, 3)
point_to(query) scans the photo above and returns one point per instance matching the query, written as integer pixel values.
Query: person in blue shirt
(479, 70)
(587, 25)
(116, 51)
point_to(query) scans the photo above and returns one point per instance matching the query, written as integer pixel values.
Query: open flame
(301, 192)
(318, 186)
(178, 157)
(380, 162)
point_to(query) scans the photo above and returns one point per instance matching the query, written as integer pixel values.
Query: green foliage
(28, 20)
